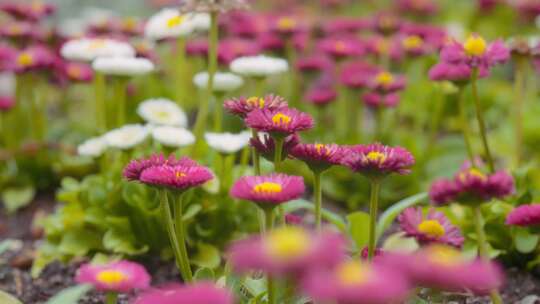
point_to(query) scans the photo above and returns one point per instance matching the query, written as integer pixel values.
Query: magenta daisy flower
(176, 177)
(358, 74)
(445, 268)
(134, 168)
(6, 103)
(378, 100)
(268, 190)
(198, 293)
(279, 122)
(377, 160)
(121, 276)
(314, 63)
(355, 281)
(432, 228)
(342, 47)
(321, 95)
(524, 215)
(475, 52)
(387, 82)
(32, 59)
(319, 157)
(288, 250)
(265, 145)
(243, 106)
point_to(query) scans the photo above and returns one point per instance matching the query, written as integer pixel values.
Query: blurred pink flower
(232, 48)
(475, 52)
(380, 100)
(243, 106)
(133, 170)
(314, 63)
(121, 276)
(418, 7)
(32, 59)
(341, 47)
(434, 227)
(375, 160)
(524, 215)
(268, 190)
(345, 25)
(177, 177)
(76, 71)
(279, 122)
(198, 293)
(319, 157)
(358, 74)
(6, 103)
(33, 10)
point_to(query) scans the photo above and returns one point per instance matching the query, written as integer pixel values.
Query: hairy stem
(181, 237)
(373, 210)
(317, 193)
(465, 130)
(480, 119)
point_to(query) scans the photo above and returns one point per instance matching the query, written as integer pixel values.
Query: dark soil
(15, 265)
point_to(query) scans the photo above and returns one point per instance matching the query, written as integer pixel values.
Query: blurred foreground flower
(122, 276)
(199, 293)
(524, 215)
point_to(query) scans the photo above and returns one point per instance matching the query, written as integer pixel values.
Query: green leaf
(6, 298)
(204, 274)
(15, 198)
(525, 241)
(70, 295)
(121, 241)
(333, 218)
(79, 242)
(207, 256)
(391, 213)
(191, 212)
(359, 228)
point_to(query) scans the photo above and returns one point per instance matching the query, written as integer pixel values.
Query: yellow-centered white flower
(88, 49)
(227, 142)
(173, 137)
(162, 111)
(123, 66)
(169, 23)
(259, 66)
(126, 137)
(223, 82)
(92, 147)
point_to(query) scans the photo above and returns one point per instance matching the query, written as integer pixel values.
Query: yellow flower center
(281, 119)
(129, 23)
(376, 156)
(175, 21)
(162, 114)
(256, 102)
(431, 228)
(179, 174)
(74, 71)
(472, 172)
(111, 277)
(25, 59)
(286, 23)
(340, 46)
(320, 147)
(444, 255)
(352, 273)
(382, 46)
(287, 243)
(412, 42)
(475, 46)
(267, 187)
(384, 78)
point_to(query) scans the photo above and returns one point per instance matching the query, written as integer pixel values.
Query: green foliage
(6, 298)
(70, 295)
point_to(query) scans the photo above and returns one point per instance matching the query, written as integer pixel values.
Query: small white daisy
(259, 66)
(201, 21)
(168, 23)
(223, 82)
(126, 137)
(162, 111)
(173, 136)
(7, 84)
(227, 142)
(93, 147)
(88, 49)
(123, 66)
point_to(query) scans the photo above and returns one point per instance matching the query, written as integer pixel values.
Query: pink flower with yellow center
(524, 215)
(268, 190)
(76, 71)
(265, 145)
(355, 281)
(340, 48)
(445, 268)
(319, 157)
(197, 293)
(177, 177)
(376, 160)
(386, 23)
(475, 52)
(380, 100)
(6, 103)
(387, 82)
(134, 168)
(288, 250)
(279, 122)
(32, 58)
(32, 11)
(243, 106)
(431, 228)
(121, 276)
(358, 74)
(287, 25)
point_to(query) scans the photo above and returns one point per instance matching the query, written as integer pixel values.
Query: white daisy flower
(93, 147)
(223, 82)
(88, 49)
(259, 66)
(126, 137)
(7, 84)
(227, 142)
(173, 136)
(201, 21)
(162, 111)
(123, 66)
(169, 23)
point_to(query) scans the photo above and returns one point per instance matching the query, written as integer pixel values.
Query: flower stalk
(120, 100)
(111, 298)
(317, 193)
(277, 153)
(465, 130)
(181, 237)
(480, 119)
(99, 97)
(373, 210)
(519, 96)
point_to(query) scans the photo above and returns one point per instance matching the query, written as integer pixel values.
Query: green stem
(169, 224)
(181, 237)
(256, 158)
(278, 141)
(218, 112)
(111, 298)
(202, 115)
(373, 209)
(120, 100)
(269, 213)
(378, 124)
(223, 173)
(244, 159)
(341, 112)
(180, 66)
(465, 130)
(317, 193)
(483, 248)
(99, 97)
(292, 86)
(519, 96)
(480, 119)
(436, 119)
(40, 117)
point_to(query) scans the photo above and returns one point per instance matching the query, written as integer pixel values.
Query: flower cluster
(432, 228)
(122, 276)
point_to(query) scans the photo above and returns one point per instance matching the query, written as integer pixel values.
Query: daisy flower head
(31, 59)
(173, 137)
(387, 82)
(227, 143)
(126, 137)
(380, 100)
(434, 227)
(475, 52)
(135, 167)
(259, 66)
(524, 215)
(279, 122)
(268, 191)
(377, 160)
(243, 106)
(93, 147)
(6, 103)
(340, 48)
(88, 49)
(265, 145)
(223, 82)
(162, 111)
(358, 74)
(176, 177)
(198, 293)
(32, 11)
(287, 250)
(123, 66)
(121, 276)
(169, 23)
(319, 157)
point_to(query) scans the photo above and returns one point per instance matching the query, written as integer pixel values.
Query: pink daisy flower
(386, 82)
(475, 52)
(288, 250)
(386, 23)
(198, 293)
(355, 281)
(524, 215)
(340, 48)
(6, 103)
(33, 58)
(319, 157)
(121, 276)
(344, 25)
(418, 7)
(268, 190)
(134, 168)
(314, 63)
(279, 122)
(358, 74)
(18, 30)
(321, 95)
(176, 177)
(288, 25)
(444, 268)
(243, 106)
(432, 228)
(232, 48)
(33, 11)
(380, 100)
(265, 145)
(377, 160)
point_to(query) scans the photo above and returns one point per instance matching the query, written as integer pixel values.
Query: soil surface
(15, 263)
